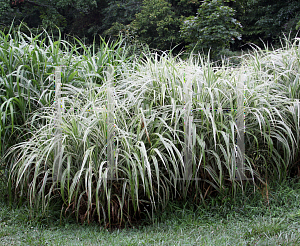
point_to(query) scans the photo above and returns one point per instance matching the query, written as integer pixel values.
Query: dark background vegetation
(224, 26)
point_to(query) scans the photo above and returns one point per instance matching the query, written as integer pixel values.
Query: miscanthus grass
(26, 76)
(149, 136)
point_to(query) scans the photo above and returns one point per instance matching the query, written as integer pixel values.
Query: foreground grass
(245, 221)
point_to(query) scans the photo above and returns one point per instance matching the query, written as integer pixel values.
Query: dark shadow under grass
(249, 219)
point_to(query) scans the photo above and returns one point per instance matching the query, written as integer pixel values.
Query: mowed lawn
(247, 221)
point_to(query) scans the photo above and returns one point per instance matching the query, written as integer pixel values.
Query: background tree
(119, 14)
(7, 14)
(185, 7)
(267, 20)
(76, 17)
(210, 23)
(157, 25)
(214, 27)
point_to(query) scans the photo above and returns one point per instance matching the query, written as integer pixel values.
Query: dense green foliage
(213, 28)
(268, 19)
(157, 22)
(118, 15)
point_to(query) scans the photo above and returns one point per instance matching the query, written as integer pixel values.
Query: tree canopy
(162, 24)
(214, 27)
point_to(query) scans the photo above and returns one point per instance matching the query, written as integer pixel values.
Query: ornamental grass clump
(153, 98)
(276, 81)
(26, 76)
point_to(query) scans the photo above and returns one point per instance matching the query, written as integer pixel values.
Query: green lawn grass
(246, 221)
